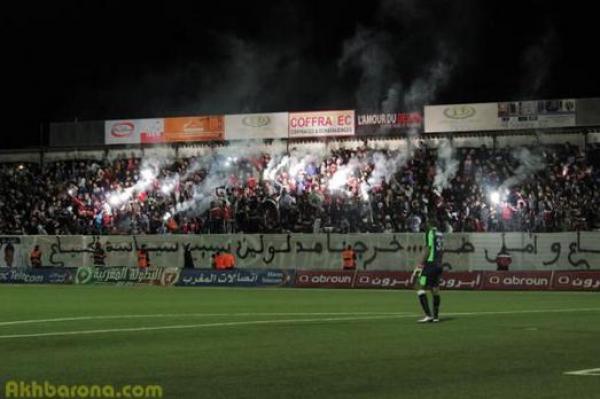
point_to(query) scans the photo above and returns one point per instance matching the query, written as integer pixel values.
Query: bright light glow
(114, 200)
(166, 188)
(364, 191)
(338, 181)
(495, 197)
(147, 174)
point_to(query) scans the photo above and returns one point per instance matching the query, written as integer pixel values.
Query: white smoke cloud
(447, 165)
(529, 164)
(385, 166)
(340, 177)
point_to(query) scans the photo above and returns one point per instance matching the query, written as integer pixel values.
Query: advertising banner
(386, 123)
(461, 118)
(324, 279)
(537, 114)
(235, 278)
(47, 275)
(512, 115)
(134, 131)
(127, 275)
(461, 280)
(402, 280)
(576, 281)
(517, 280)
(381, 279)
(194, 128)
(321, 124)
(256, 126)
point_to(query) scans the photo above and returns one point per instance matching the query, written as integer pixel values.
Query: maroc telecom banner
(256, 126)
(385, 123)
(194, 128)
(500, 116)
(321, 124)
(134, 131)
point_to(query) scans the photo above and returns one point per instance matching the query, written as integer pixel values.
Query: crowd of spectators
(73, 197)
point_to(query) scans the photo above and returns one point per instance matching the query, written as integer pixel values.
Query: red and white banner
(461, 280)
(134, 131)
(320, 124)
(383, 279)
(576, 281)
(324, 279)
(517, 280)
(383, 123)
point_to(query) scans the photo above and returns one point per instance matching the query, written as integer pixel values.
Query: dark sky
(116, 59)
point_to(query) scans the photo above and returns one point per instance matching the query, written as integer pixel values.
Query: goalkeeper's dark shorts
(430, 276)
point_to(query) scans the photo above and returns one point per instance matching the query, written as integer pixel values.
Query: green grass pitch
(302, 343)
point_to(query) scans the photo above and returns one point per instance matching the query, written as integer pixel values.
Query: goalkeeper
(429, 272)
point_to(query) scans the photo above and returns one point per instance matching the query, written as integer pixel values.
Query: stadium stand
(125, 195)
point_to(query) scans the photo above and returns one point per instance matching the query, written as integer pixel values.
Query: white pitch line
(587, 372)
(167, 315)
(175, 315)
(205, 325)
(285, 321)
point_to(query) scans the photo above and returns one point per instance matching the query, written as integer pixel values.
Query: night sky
(103, 60)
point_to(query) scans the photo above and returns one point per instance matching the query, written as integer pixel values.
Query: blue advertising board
(44, 275)
(235, 278)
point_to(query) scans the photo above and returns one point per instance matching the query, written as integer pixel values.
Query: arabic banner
(545, 251)
(384, 252)
(321, 124)
(127, 275)
(461, 280)
(236, 278)
(49, 275)
(576, 281)
(401, 280)
(256, 126)
(383, 280)
(134, 131)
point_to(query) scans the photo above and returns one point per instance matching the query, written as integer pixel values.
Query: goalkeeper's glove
(416, 273)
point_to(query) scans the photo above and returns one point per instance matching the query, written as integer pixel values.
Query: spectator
(36, 257)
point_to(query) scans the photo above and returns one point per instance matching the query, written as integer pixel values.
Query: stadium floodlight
(495, 197)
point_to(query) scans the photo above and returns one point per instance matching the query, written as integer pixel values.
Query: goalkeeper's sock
(436, 305)
(424, 302)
